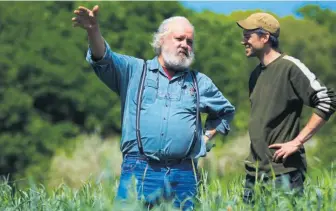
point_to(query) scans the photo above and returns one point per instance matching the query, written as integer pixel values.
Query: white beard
(177, 62)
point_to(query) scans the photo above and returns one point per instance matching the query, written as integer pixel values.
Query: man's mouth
(246, 45)
(184, 53)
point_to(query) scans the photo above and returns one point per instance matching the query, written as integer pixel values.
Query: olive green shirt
(277, 93)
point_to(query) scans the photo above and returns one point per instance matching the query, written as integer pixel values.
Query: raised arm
(114, 69)
(87, 19)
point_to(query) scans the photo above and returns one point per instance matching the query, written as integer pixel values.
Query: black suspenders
(139, 97)
(198, 115)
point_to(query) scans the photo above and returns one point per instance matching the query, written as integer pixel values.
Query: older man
(160, 99)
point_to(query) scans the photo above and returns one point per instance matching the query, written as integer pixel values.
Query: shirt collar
(154, 64)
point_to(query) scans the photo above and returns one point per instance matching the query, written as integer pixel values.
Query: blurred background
(60, 124)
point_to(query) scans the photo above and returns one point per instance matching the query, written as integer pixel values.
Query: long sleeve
(220, 110)
(311, 91)
(114, 69)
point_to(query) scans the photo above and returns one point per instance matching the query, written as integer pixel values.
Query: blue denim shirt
(168, 110)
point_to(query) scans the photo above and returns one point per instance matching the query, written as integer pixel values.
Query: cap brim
(244, 24)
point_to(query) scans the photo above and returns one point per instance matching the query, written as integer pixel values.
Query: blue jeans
(156, 181)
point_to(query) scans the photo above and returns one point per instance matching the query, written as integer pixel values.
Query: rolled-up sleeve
(114, 70)
(220, 111)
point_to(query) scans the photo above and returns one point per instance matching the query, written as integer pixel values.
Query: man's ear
(162, 40)
(266, 37)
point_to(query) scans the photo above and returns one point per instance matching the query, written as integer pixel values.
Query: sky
(280, 8)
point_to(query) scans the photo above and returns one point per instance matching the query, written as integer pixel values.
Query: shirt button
(164, 118)
(161, 134)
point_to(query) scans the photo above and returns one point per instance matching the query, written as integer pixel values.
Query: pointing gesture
(85, 18)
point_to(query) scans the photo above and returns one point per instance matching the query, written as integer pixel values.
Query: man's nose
(184, 44)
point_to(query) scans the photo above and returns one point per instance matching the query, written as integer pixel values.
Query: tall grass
(319, 194)
(87, 179)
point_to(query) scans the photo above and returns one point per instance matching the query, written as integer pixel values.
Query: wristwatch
(209, 145)
(208, 134)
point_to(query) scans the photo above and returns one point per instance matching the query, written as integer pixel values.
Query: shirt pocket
(149, 93)
(175, 95)
(188, 98)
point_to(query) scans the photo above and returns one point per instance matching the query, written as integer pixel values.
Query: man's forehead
(182, 30)
(180, 25)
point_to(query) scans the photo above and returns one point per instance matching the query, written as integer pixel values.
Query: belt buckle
(172, 161)
(168, 162)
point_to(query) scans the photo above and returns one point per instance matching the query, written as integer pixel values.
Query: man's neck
(269, 56)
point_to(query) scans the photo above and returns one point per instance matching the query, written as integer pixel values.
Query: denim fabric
(168, 109)
(158, 181)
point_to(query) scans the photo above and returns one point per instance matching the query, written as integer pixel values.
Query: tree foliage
(49, 93)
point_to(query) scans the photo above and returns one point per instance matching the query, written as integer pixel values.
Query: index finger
(79, 12)
(275, 146)
(83, 9)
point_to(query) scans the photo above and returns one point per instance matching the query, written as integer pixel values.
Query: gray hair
(164, 30)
